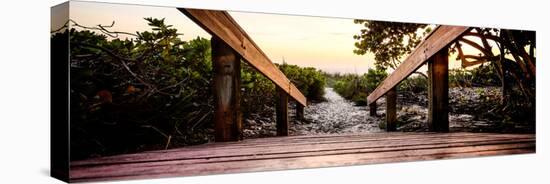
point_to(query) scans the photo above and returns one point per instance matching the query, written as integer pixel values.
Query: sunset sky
(324, 43)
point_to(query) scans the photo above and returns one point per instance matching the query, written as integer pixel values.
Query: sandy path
(336, 115)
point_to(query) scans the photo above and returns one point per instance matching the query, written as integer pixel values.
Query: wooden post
(226, 65)
(372, 109)
(438, 91)
(391, 109)
(281, 111)
(299, 111)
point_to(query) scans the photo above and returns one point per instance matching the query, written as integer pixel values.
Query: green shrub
(373, 78)
(310, 81)
(483, 75)
(356, 88)
(138, 94)
(346, 86)
(154, 91)
(257, 91)
(415, 84)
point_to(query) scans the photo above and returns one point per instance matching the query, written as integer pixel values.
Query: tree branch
(475, 45)
(102, 29)
(120, 58)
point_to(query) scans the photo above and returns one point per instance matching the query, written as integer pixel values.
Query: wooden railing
(230, 43)
(432, 50)
(223, 26)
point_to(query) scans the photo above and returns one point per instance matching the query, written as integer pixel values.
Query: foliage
(374, 78)
(331, 78)
(481, 76)
(477, 77)
(388, 41)
(356, 88)
(514, 63)
(414, 84)
(257, 88)
(344, 84)
(310, 81)
(141, 93)
(152, 90)
(257, 91)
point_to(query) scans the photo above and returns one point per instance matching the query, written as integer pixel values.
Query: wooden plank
(377, 135)
(281, 112)
(391, 110)
(226, 88)
(191, 161)
(200, 159)
(157, 171)
(280, 143)
(405, 149)
(440, 37)
(277, 142)
(296, 140)
(222, 25)
(284, 150)
(438, 92)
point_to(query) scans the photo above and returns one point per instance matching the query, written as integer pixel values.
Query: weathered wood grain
(391, 110)
(438, 91)
(303, 140)
(290, 148)
(440, 37)
(226, 88)
(281, 112)
(148, 172)
(222, 25)
(294, 152)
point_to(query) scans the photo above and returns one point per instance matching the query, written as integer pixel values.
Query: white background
(25, 98)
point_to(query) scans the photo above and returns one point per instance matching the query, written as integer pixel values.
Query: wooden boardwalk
(295, 152)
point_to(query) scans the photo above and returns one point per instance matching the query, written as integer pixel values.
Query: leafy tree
(388, 41)
(514, 62)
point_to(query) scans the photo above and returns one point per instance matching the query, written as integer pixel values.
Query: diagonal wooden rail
(223, 26)
(441, 37)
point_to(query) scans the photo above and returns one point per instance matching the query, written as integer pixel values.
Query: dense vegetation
(483, 75)
(309, 80)
(152, 90)
(474, 94)
(356, 88)
(514, 61)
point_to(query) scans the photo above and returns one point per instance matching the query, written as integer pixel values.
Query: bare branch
(102, 28)
(477, 46)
